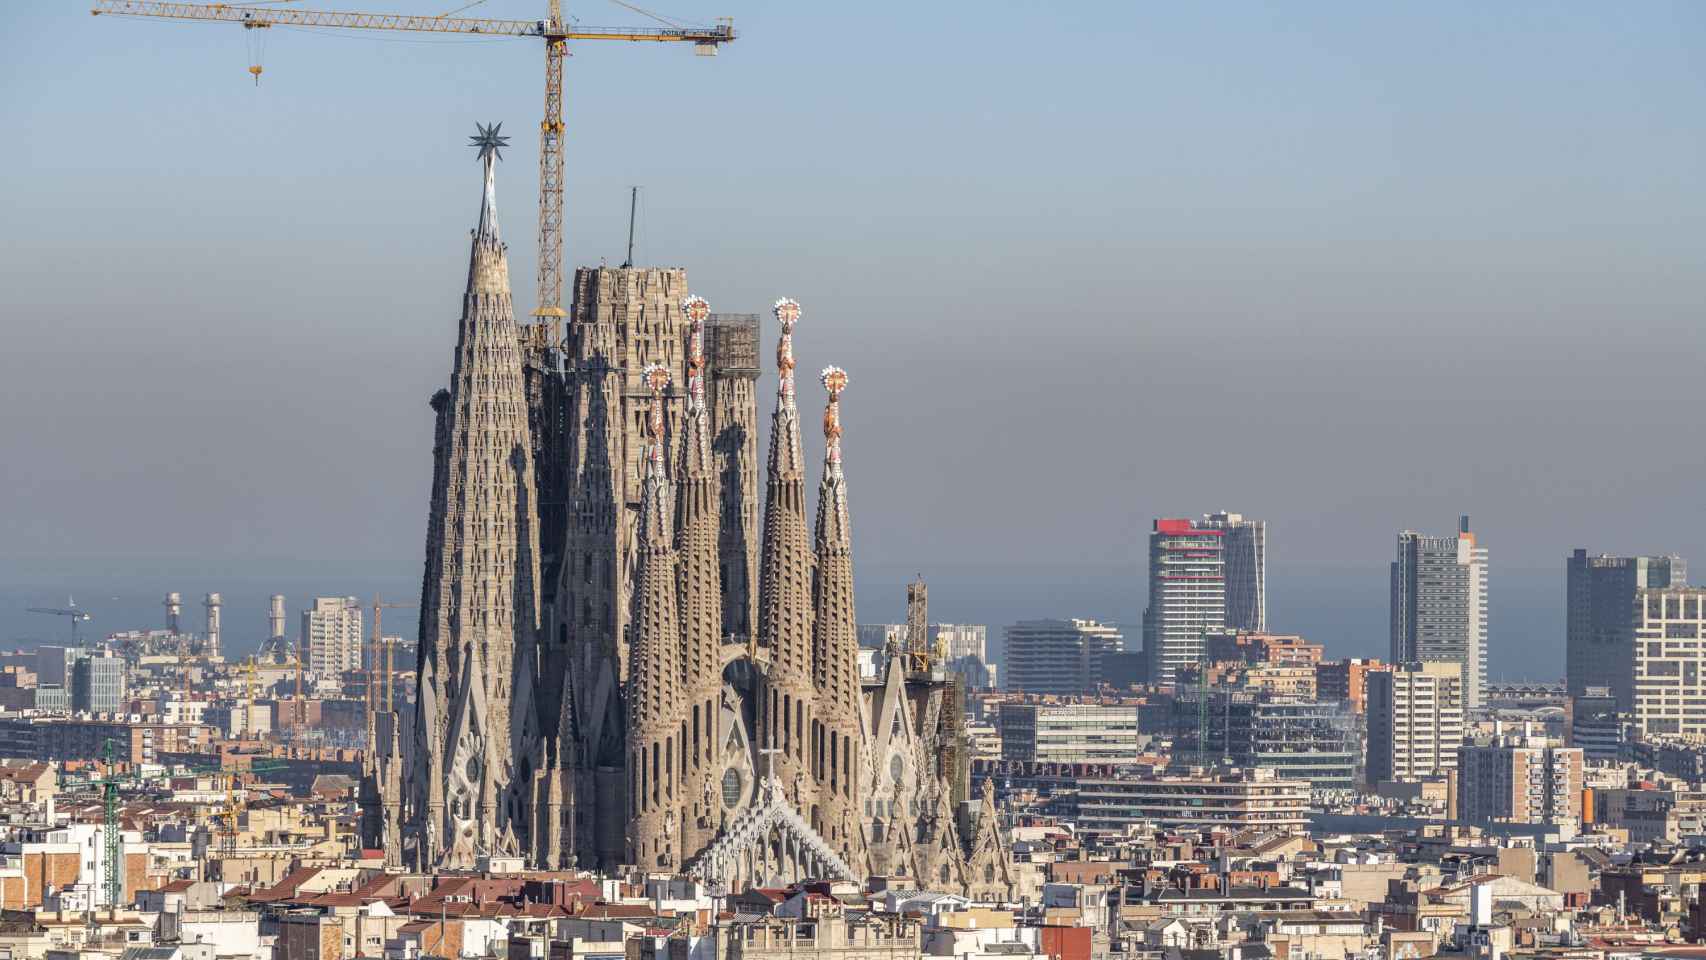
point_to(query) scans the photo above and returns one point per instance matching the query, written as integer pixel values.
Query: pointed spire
(490, 144)
(696, 431)
(656, 483)
(832, 526)
(785, 432)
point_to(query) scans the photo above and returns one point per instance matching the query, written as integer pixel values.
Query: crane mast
(549, 310)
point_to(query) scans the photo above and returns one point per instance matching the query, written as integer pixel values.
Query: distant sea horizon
(1344, 609)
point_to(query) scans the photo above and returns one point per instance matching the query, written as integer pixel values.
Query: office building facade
(1243, 800)
(1670, 661)
(1439, 605)
(1415, 720)
(1059, 656)
(1245, 548)
(1294, 737)
(1599, 725)
(1187, 595)
(1068, 732)
(1600, 617)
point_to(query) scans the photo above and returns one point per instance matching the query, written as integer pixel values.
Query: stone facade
(474, 732)
(689, 700)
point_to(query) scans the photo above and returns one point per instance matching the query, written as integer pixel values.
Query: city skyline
(1326, 248)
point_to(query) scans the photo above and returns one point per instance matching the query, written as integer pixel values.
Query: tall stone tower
(700, 593)
(623, 319)
(732, 345)
(837, 760)
(475, 728)
(785, 708)
(654, 657)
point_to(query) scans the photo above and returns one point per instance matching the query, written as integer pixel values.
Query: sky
(1349, 268)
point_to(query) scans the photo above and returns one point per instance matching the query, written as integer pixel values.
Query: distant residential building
(1187, 594)
(97, 683)
(1292, 736)
(877, 636)
(1519, 779)
(1252, 647)
(1599, 628)
(1670, 686)
(1068, 732)
(1246, 800)
(962, 639)
(83, 679)
(974, 673)
(1598, 725)
(1415, 720)
(331, 633)
(1245, 549)
(1439, 605)
(1059, 656)
(1345, 680)
(1126, 669)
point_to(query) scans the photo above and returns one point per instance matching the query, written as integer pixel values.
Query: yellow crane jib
(551, 29)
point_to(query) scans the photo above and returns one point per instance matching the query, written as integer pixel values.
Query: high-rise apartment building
(1670, 671)
(331, 635)
(1415, 720)
(1245, 548)
(1187, 594)
(1518, 779)
(1059, 656)
(1599, 629)
(1439, 605)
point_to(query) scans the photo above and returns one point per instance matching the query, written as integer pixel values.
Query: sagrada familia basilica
(625, 662)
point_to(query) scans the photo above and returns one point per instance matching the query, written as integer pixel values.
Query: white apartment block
(1415, 720)
(331, 635)
(1670, 660)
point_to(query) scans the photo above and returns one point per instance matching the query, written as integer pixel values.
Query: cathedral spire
(653, 668)
(835, 640)
(475, 722)
(490, 144)
(785, 576)
(699, 591)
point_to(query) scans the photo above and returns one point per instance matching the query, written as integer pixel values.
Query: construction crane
(552, 30)
(112, 841)
(76, 613)
(373, 703)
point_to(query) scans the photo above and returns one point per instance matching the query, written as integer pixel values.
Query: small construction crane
(552, 30)
(76, 613)
(373, 703)
(112, 840)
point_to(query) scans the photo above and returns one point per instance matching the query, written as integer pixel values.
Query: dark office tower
(1439, 605)
(1245, 547)
(1600, 618)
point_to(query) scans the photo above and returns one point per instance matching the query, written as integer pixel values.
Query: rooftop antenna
(633, 204)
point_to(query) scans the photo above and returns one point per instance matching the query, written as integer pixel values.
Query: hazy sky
(1341, 266)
